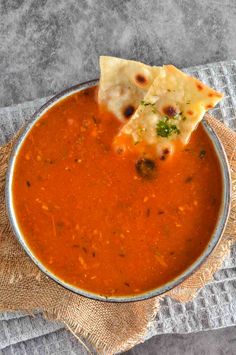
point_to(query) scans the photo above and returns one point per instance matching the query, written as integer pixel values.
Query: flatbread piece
(168, 114)
(123, 84)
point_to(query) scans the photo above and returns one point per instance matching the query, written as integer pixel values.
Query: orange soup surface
(95, 219)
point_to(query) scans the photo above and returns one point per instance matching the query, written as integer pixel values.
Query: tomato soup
(109, 223)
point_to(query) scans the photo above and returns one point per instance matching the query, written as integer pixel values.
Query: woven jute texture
(109, 328)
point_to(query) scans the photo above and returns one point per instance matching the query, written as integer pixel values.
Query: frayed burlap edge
(109, 328)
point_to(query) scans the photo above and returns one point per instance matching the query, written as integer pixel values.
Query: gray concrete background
(46, 46)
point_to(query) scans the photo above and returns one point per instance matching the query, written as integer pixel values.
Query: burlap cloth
(108, 328)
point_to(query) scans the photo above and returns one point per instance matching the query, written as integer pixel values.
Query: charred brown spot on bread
(170, 111)
(190, 112)
(146, 168)
(140, 78)
(199, 86)
(216, 94)
(129, 110)
(209, 106)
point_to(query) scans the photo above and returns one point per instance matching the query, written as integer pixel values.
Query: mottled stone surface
(46, 46)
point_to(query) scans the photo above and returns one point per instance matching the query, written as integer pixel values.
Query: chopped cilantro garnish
(166, 129)
(184, 118)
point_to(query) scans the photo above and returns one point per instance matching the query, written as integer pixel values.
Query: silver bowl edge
(219, 229)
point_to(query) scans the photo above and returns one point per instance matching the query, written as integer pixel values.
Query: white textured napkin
(215, 305)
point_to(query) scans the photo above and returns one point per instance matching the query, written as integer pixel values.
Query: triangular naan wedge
(169, 113)
(123, 84)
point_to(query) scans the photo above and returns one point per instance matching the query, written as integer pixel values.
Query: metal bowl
(218, 231)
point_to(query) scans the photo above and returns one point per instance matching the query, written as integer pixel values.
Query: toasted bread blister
(123, 84)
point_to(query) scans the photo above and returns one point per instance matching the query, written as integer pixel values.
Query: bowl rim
(216, 235)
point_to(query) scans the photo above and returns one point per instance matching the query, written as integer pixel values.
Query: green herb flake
(184, 118)
(154, 110)
(166, 129)
(141, 131)
(176, 117)
(145, 103)
(202, 154)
